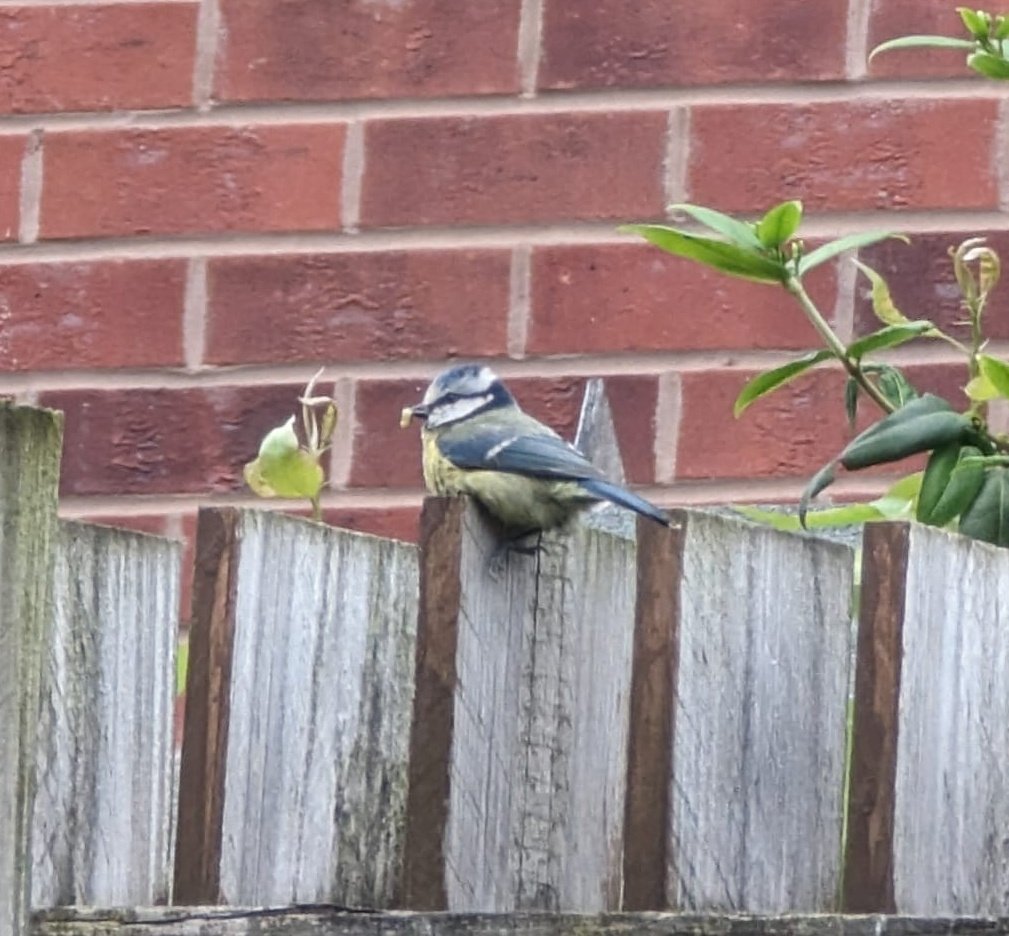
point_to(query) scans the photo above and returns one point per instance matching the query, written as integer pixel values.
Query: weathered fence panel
(30, 441)
(930, 784)
(103, 810)
(301, 666)
(518, 758)
(763, 644)
(332, 921)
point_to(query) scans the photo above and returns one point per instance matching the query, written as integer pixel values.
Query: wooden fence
(634, 719)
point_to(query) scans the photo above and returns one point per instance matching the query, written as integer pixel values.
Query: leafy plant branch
(966, 480)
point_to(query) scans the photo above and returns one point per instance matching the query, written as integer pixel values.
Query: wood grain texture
(106, 753)
(30, 442)
(203, 760)
(331, 921)
(320, 696)
(650, 745)
(538, 766)
(868, 872)
(432, 726)
(759, 746)
(951, 797)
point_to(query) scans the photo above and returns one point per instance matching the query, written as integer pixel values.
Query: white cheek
(456, 410)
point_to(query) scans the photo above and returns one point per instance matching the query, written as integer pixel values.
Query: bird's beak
(420, 411)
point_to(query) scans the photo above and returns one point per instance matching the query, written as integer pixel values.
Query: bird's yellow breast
(518, 502)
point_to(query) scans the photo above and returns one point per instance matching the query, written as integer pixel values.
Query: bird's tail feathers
(624, 498)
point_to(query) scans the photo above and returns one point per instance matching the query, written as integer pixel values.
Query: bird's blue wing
(538, 456)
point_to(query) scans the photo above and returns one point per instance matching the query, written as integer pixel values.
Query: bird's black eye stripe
(450, 398)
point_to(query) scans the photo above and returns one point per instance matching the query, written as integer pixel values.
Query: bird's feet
(525, 543)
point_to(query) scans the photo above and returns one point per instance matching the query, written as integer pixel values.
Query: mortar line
(676, 162)
(565, 233)
(590, 365)
(668, 414)
(685, 493)
(352, 181)
(843, 318)
(544, 102)
(857, 40)
(519, 301)
(30, 203)
(530, 42)
(194, 314)
(1000, 156)
(341, 456)
(208, 28)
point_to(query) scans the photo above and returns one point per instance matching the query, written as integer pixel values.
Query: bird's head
(460, 393)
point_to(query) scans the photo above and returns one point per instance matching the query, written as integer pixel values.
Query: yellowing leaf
(997, 373)
(980, 389)
(283, 469)
(882, 302)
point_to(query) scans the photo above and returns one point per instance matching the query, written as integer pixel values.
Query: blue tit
(478, 441)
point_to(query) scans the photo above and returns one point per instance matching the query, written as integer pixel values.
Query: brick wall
(202, 201)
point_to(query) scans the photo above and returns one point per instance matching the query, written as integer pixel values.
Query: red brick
(317, 50)
(845, 156)
(386, 457)
(891, 19)
(97, 57)
(792, 432)
(509, 168)
(147, 441)
(920, 275)
(104, 314)
(603, 298)
(610, 43)
(402, 523)
(12, 151)
(192, 179)
(402, 304)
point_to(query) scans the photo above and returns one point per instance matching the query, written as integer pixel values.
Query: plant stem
(794, 285)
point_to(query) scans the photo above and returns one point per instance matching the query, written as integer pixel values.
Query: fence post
(30, 441)
(298, 705)
(738, 741)
(106, 755)
(929, 800)
(518, 751)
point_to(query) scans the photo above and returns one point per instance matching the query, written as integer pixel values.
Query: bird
(478, 441)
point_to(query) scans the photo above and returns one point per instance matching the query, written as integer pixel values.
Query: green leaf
(987, 517)
(843, 244)
(898, 501)
(976, 21)
(980, 389)
(829, 517)
(912, 42)
(893, 384)
(991, 66)
(888, 337)
(283, 468)
(1001, 29)
(882, 303)
(739, 232)
(181, 665)
(996, 372)
(819, 482)
(779, 224)
(770, 380)
(728, 258)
